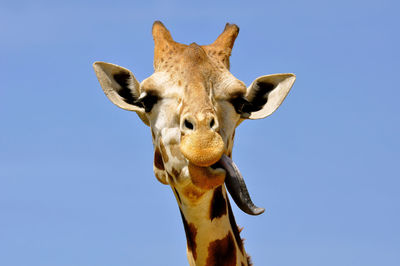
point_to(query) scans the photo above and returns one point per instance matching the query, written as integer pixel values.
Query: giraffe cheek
(158, 167)
(161, 176)
(176, 152)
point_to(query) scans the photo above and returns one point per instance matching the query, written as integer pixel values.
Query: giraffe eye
(147, 101)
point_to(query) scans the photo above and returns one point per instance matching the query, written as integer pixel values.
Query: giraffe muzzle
(202, 147)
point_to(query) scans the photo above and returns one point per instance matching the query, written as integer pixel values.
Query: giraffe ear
(121, 87)
(266, 94)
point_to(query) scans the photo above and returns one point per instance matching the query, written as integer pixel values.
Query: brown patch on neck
(222, 252)
(218, 204)
(191, 232)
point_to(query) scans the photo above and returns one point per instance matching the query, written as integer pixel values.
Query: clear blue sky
(76, 180)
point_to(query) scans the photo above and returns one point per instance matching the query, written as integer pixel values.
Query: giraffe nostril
(212, 123)
(188, 124)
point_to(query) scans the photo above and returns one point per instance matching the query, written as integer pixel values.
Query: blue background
(76, 180)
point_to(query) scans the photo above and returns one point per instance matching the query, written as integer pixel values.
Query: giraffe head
(193, 104)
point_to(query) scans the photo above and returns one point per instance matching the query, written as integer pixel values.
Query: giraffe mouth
(236, 186)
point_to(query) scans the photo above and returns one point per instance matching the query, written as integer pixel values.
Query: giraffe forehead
(186, 71)
(183, 54)
(190, 83)
(164, 84)
(194, 54)
(190, 62)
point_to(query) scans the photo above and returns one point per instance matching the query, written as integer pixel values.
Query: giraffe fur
(193, 104)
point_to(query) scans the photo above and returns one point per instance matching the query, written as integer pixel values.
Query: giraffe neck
(211, 231)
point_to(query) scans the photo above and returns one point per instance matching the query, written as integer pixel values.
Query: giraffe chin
(225, 170)
(206, 177)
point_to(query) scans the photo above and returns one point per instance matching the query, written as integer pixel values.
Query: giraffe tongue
(237, 187)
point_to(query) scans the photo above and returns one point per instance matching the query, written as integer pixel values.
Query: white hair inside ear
(120, 87)
(278, 85)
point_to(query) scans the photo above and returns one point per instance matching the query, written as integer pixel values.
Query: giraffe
(193, 104)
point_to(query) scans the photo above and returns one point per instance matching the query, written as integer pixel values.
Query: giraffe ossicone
(193, 105)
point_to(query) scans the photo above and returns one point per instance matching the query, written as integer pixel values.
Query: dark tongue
(237, 187)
